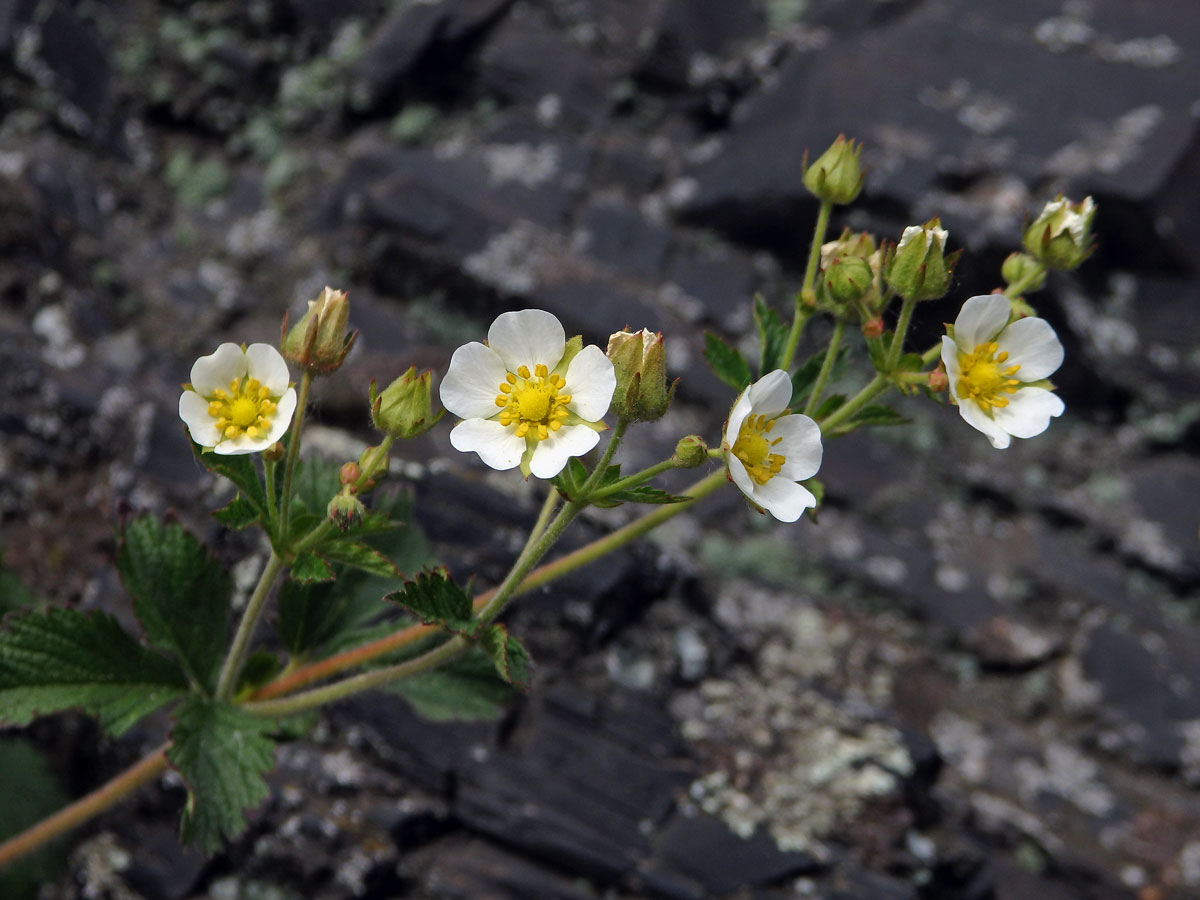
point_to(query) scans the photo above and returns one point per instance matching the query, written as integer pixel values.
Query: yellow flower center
(533, 403)
(753, 448)
(246, 408)
(985, 379)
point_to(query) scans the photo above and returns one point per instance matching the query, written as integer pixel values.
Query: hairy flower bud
(1018, 267)
(404, 409)
(319, 342)
(918, 268)
(938, 379)
(873, 328)
(691, 451)
(1061, 236)
(836, 176)
(847, 278)
(640, 361)
(345, 511)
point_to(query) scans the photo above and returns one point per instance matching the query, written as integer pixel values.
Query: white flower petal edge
(266, 364)
(496, 445)
(527, 337)
(472, 381)
(591, 381)
(220, 396)
(193, 409)
(992, 367)
(552, 454)
(215, 371)
(768, 451)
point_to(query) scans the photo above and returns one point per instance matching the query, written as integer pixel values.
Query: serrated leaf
(877, 414)
(435, 599)
(772, 336)
(65, 659)
(508, 655)
(239, 469)
(238, 514)
(180, 594)
(727, 362)
(806, 376)
(464, 689)
(222, 752)
(309, 568)
(358, 555)
(646, 494)
(30, 793)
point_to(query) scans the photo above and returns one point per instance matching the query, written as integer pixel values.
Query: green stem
(1019, 286)
(547, 510)
(803, 312)
(286, 706)
(285, 499)
(818, 387)
(872, 389)
(902, 323)
(635, 479)
(272, 505)
(237, 650)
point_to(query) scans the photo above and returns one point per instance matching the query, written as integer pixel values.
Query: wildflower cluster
(528, 397)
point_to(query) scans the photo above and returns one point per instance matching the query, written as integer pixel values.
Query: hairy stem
(289, 470)
(241, 640)
(835, 340)
(902, 323)
(802, 312)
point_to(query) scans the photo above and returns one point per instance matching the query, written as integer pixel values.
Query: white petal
(193, 409)
(1029, 412)
(974, 416)
(771, 394)
(801, 446)
(526, 338)
(217, 369)
(266, 364)
(784, 499)
(950, 360)
(473, 381)
(737, 416)
(980, 320)
(590, 381)
(552, 454)
(737, 471)
(240, 445)
(496, 445)
(1032, 344)
(282, 419)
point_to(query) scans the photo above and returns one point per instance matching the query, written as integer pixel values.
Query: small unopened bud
(1021, 268)
(1061, 236)
(873, 328)
(319, 342)
(691, 451)
(639, 359)
(847, 279)
(404, 409)
(274, 453)
(938, 380)
(836, 176)
(349, 474)
(848, 243)
(345, 511)
(918, 268)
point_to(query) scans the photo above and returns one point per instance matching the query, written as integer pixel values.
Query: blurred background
(975, 676)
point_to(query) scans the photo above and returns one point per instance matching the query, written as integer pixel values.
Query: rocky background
(976, 677)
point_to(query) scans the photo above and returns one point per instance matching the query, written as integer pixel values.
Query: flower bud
(691, 451)
(1018, 267)
(836, 176)
(873, 328)
(847, 279)
(640, 362)
(274, 453)
(349, 474)
(848, 243)
(319, 342)
(918, 268)
(938, 379)
(345, 511)
(1061, 237)
(404, 409)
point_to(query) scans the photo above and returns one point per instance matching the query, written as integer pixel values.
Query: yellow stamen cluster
(533, 402)
(753, 448)
(246, 407)
(985, 379)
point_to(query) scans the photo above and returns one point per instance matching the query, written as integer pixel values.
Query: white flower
(239, 400)
(527, 397)
(993, 366)
(768, 450)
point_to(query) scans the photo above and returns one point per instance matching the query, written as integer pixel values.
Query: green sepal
(238, 514)
(465, 689)
(772, 336)
(508, 655)
(573, 346)
(65, 659)
(222, 752)
(726, 361)
(180, 594)
(309, 568)
(435, 599)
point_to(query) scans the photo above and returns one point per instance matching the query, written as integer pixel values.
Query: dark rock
(624, 240)
(1169, 541)
(470, 869)
(75, 60)
(686, 31)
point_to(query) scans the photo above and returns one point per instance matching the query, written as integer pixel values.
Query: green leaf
(828, 405)
(180, 594)
(508, 654)
(65, 659)
(358, 555)
(435, 599)
(877, 414)
(239, 514)
(772, 336)
(464, 689)
(309, 568)
(643, 493)
(222, 752)
(569, 482)
(806, 376)
(239, 469)
(727, 363)
(30, 792)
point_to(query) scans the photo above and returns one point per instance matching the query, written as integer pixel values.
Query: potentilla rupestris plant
(526, 398)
